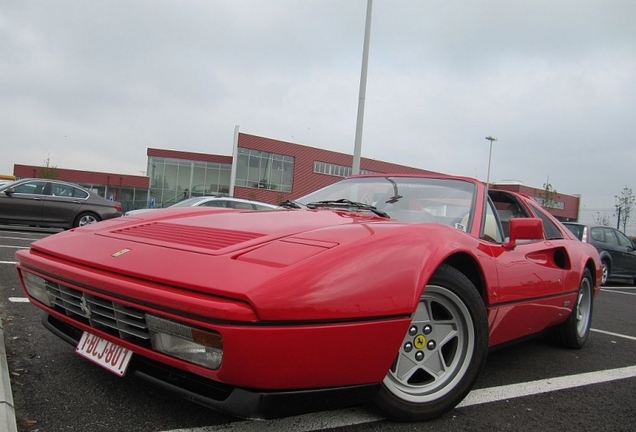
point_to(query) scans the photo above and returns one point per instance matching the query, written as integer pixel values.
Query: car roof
(202, 199)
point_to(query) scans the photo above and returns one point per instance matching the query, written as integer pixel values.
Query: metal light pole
(357, 148)
(491, 139)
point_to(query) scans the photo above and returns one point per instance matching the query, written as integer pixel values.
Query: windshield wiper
(348, 204)
(292, 204)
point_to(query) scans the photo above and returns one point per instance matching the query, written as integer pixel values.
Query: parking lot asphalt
(7, 410)
(533, 378)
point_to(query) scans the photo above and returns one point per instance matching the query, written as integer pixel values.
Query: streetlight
(491, 139)
(357, 147)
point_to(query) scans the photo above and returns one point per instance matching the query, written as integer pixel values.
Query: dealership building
(264, 169)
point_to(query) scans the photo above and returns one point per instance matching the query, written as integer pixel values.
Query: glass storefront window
(263, 170)
(173, 180)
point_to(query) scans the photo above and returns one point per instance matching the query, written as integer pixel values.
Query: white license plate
(108, 355)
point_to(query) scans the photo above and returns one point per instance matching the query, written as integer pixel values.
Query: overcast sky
(92, 84)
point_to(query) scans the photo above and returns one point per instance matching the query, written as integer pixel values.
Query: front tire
(606, 272)
(443, 351)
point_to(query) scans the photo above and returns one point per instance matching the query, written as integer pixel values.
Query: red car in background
(387, 289)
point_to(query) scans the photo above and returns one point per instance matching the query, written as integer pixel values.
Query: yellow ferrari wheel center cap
(420, 341)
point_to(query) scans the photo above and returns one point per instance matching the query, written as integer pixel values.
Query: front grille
(110, 317)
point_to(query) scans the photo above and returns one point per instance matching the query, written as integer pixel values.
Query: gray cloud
(93, 84)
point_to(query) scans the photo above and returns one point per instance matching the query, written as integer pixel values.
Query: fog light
(36, 287)
(202, 347)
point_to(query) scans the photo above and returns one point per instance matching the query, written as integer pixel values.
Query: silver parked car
(216, 201)
(53, 203)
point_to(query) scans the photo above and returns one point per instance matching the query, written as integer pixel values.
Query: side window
(597, 234)
(550, 229)
(61, 190)
(261, 207)
(610, 236)
(214, 203)
(623, 240)
(491, 228)
(79, 193)
(241, 205)
(34, 188)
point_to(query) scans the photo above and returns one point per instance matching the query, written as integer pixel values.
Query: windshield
(407, 199)
(5, 184)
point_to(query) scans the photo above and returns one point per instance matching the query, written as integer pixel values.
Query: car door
(24, 205)
(628, 254)
(530, 275)
(610, 244)
(62, 203)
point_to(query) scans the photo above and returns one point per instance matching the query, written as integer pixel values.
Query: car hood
(287, 264)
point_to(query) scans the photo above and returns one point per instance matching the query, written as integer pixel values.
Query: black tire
(606, 272)
(85, 218)
(442, 354)
(573, 333)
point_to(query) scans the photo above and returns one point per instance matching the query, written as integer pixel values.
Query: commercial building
(267, 170)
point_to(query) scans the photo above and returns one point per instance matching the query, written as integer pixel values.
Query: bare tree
(624, 204)
(602, 219)
(549, 195)
(49, 171)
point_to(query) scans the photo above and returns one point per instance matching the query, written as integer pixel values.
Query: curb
(7, 410)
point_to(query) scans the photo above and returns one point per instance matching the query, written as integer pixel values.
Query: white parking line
(614, 334)
(615, 291)
(511, 391)
(20, 238)
(19, 300)
(14, 247)
(355, 416)
(8, 262)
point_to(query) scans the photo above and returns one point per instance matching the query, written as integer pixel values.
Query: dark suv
(617, 251)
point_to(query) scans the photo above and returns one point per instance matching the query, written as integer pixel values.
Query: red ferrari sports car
(387, 289)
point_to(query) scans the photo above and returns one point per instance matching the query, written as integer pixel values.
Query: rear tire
(442, 354)
(85, 218)
(574, 332)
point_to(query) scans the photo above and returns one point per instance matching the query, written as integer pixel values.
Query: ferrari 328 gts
(381, 289)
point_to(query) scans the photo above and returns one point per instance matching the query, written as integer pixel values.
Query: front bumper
(236, 401)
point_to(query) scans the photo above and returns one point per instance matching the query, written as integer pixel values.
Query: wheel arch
(467, 264)
(85, 213)
(591, 267)
(606, 256)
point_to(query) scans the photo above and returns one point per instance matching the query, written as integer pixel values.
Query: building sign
(560, 205)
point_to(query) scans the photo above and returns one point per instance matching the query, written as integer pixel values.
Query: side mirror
(524, 229)
(9, 191)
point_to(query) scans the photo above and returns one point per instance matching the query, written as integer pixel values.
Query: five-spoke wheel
(441, 354)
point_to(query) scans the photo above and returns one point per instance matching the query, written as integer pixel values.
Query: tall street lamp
(491, 139)
(357, 147)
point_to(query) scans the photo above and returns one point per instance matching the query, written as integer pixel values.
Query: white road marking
(614, 334)
(511, 391)
(21, 238)
(301, 423)
(8, 262)
(355, 416)
(615, 291)
(14, 247)
(19, 300)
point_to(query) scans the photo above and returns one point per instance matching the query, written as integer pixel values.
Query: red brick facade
(305, 180)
